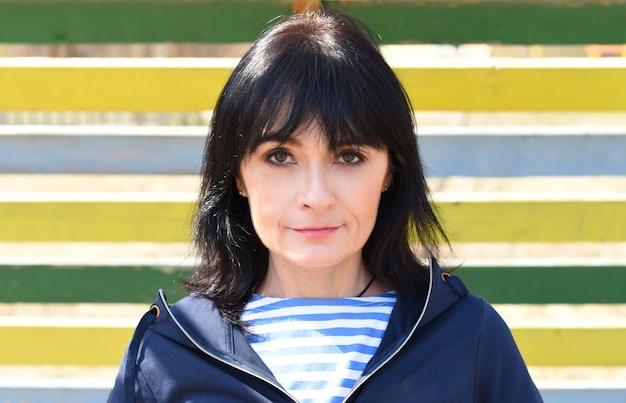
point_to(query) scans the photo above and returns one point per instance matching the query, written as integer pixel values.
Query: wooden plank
(75, 345)
(151, 218)
(74, 339)
(194, 85)
(76, 21)
(535, 221)
(166, 221)
(596, 390)
(546, 284)
(63, 345)
(449, 151)
(48, 283)
(175, 86)
(92, 284)
(571, 346)
(491, 21)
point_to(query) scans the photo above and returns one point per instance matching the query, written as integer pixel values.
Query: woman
(309, 289)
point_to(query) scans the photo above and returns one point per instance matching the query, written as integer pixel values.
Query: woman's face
(312, 207)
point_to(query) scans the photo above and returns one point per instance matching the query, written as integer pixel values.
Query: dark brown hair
(317, 66)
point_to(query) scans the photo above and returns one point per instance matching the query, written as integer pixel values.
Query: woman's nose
(316, 192)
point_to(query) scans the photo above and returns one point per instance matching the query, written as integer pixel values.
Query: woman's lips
(316, 232)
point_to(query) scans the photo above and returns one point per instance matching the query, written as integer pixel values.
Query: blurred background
(105, 104)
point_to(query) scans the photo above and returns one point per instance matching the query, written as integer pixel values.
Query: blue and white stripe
(317, 348)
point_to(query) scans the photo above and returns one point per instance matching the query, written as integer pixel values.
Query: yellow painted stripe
(111, 89)
(63, 345)
(536, 221)
(170, 221)
(565, 347)
(105, 346)
(96, 221)
(516, 89)
(188, 88)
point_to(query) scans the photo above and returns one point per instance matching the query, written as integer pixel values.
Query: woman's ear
(387, 181)
(241, 187)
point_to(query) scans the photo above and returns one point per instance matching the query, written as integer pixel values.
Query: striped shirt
(317, 348)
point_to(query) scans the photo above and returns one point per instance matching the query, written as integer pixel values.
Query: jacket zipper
(225, 361)
(277, 386)
(364, 379)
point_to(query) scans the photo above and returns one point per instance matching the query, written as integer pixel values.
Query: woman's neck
(282, 281)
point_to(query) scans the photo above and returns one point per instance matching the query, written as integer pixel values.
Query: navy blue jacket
(447, 346)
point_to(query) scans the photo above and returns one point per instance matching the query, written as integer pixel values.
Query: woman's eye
(279, 157)
(349, 158)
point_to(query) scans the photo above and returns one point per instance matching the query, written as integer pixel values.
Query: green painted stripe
(135, 21)
(98, 284)
(547, 285)
(213, 21)
(169, 221)
(507, 22)
(138, 284)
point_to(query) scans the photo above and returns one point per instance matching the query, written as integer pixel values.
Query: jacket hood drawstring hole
(157, 312)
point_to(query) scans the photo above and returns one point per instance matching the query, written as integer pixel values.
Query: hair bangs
(317, 88)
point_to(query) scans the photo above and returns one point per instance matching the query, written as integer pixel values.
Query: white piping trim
(199, 347)
(362, 380)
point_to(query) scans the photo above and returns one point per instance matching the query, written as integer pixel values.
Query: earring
(385, 189)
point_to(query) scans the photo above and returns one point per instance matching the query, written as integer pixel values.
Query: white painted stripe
(534, 130)
(404, 62)
(56, 383)
(508, 196)
(583, 384)
(102, 130)
(566, 63)
(443, 197)
(563, 316)
(91, 197)
(67, 322)
(572, 316)
(201, 131)
(557, 260)
(118, 62)
(175, 262)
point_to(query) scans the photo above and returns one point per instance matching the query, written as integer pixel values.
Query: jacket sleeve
(129, 371)
(501, 374)
(117, 393)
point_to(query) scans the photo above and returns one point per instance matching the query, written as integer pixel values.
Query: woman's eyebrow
(274, 139)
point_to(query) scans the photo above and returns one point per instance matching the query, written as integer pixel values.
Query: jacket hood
(196, 323)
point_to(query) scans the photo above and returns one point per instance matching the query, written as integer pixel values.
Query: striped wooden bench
(531, 241)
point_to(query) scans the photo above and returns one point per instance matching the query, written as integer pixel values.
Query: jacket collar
(196, 323)
(412, 312)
